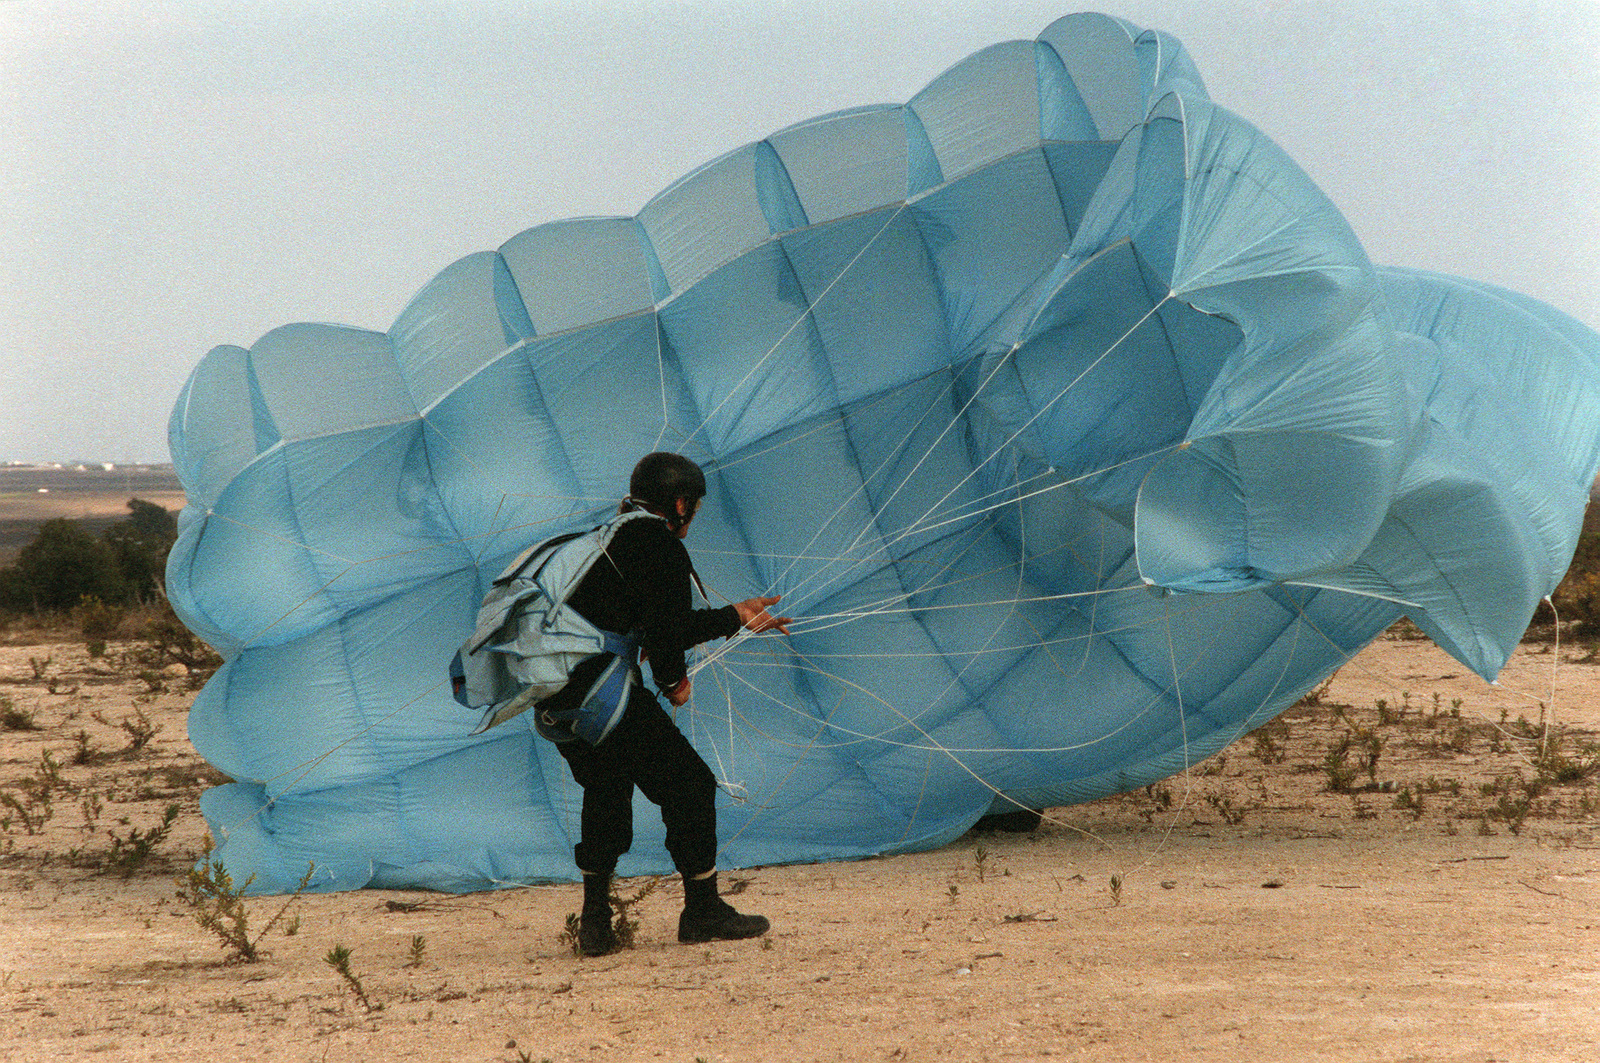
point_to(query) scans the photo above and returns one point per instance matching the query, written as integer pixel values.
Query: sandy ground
(1248, 912)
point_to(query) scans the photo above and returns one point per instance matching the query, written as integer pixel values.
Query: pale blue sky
(181, 175)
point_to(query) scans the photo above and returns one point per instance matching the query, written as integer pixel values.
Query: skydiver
(642, 585)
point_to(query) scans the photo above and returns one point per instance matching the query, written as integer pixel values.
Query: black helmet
(663, 477)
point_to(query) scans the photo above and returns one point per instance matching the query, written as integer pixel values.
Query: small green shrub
(139, 728)
(129, 854)
(15, 719)
(99, 623)
(163, 641)
(218, 905)
(37, 803)
(338, 958)
(1336, 764)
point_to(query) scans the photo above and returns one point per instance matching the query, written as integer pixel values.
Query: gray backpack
(528, 640)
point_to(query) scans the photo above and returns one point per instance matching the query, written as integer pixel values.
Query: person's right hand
(679, 695)
(753, 615)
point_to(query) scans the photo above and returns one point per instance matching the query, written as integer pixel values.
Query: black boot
(707, 917)
(595, 934)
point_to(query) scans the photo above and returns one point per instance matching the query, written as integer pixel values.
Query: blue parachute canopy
(1064, 411)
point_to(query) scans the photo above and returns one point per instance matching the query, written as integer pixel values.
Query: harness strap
(604, 703)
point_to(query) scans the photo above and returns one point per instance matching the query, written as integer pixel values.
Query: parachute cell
(1067, 415)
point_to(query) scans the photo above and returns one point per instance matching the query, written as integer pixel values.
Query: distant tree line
(66, 565)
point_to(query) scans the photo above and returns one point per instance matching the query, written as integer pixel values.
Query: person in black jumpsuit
(642, 585)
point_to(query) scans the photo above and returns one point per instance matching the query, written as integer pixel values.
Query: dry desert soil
(1439, 901)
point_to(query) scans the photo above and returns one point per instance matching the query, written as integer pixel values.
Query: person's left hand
(753, 615)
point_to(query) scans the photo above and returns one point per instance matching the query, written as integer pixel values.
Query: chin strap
(675, 522)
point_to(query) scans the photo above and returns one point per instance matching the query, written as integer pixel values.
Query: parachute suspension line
(755, 658)
(1018, 498)
(824, 425)
(999, 364)
(932, 744)
(884, 608)
(893, 453)
(930, 583)
(1301, 621)
(1045, 407)
(1046, 644)
(1555, 664)
(1094, 605)
(955, 681)
(922, 795)
(855, 737)
(1183, 731)
(929, 743)
(921, 525)
(1354, 591)
(799, 319)
(918, 529)
(661, 373)
(902, 561)
(978, 513)
(739, 636)
(1351, 657)
(899, 537)
(805, 751)
(931, 749)
(882, 605)
(494, 522)
(721, 677)
(724, 776)
(857, 560)
(854, 560)
(824, 725)
(933, 446)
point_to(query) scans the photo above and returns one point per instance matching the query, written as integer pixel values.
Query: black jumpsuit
(642, 585)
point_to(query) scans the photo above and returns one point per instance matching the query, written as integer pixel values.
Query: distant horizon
(111, 466)
(84, 463)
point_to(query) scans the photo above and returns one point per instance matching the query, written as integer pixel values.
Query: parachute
(1067, 415)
